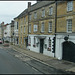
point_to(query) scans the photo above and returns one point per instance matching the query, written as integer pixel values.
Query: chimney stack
(29, 4)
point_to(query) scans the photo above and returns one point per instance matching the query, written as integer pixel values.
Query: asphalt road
(13, 62)
(12, 65)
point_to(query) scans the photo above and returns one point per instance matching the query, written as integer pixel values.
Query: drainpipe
(55, 24)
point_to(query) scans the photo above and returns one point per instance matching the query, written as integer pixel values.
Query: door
(41, 45)
(69, 51)
(17, 40)
(26, 42)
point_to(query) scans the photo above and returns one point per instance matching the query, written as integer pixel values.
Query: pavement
(47, 60)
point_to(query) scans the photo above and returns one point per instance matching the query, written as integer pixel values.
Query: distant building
(16, 34)
(7, 32)
(2, 31)
(12, 31)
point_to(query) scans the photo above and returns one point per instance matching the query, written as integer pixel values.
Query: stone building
(23, 29)
(16, 35)
(65, 31)
(42, 27)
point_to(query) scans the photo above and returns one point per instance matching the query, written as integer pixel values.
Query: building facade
(23, 29)
(16, 35)
(41, 27)
(65, 32)
(2, 32)
(12, 31)
(7, 32)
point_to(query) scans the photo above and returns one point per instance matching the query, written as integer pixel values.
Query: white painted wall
(46, 52)
(59, 41)
(8, 31)
(37, 49)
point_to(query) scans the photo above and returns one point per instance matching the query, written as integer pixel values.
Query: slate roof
(39, 5)
(24, 13)
(34, 7)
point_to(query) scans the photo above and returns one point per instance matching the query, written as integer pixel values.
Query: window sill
(69, 32)
(42, 32)
(50, 32)
(69, 11)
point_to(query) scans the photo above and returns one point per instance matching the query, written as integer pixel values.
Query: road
(12, 65)
(13, 62)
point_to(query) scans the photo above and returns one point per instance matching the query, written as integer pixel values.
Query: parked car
(0, 41)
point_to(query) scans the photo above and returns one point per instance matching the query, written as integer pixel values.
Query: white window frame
(30, 28)
(35, 15)
(51, 10)
(43, 12)
(69, 5)
(50, 26)
(42, 27)
(29, 40)
(35, 28)
(69, 26)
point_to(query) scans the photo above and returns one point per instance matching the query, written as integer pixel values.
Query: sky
(11, 9)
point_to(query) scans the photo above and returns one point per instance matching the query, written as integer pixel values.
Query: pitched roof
(39, 5)
(24, 13)
(34, 7)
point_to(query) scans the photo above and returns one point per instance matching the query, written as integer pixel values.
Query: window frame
(35, 28)
(51, 10)
(29, 28)
(69, 6)
(69, 24)
(42, 27)
(50, 26)
(35, 15)
(43, 12)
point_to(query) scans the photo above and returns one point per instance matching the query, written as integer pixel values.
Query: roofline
(40, 7)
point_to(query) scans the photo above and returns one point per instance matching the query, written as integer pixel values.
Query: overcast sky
(11, 9)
